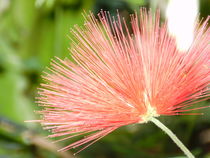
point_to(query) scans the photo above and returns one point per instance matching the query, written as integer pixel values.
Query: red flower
(123, 77)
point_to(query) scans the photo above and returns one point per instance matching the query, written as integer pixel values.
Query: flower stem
(173, 137)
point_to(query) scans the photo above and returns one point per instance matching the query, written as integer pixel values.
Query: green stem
(173, 137)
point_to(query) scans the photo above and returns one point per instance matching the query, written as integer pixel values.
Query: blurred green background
(34, 31)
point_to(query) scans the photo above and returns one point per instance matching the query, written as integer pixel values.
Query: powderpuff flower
(123, 76)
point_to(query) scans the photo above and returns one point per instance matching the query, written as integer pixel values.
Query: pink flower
(122, 77)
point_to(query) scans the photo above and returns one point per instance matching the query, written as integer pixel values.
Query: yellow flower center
(151, 111)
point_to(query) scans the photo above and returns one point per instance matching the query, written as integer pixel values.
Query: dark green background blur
(34, 31)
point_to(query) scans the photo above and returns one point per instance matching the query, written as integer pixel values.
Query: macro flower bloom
(122, 76)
